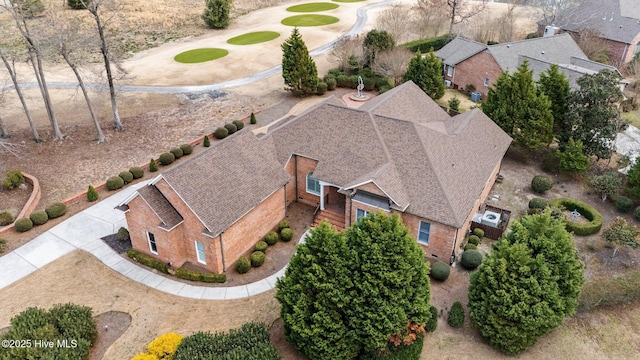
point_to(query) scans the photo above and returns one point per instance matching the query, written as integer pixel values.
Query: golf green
(347, 1)
(312, 7)
(200, 55)
(309, 20)
(253, 38)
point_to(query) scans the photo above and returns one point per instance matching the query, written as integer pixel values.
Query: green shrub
(479, 233)
(127, 176)
(624, 204)
(201, 276)
(24, 224)
(78, 4)
(257, 258)
(384, 89)
(153, 165)
(2, 244)
(187, 149)
(538, 203)
(5, 218)
(206, 142)
(39, 217)
(177, 152)
(283, 225)
(541, 183)
(221, 133)
(426, 45)
(252, 119)
(400, 352)
(331, 82)
(12, 179)
(167, 158)
(470, 246)
(271, 238)
(115, 183)
(456, 315)
(432, 324)
(92, 194)
(231, 128)
(56, 210)
(636, 213)
(147, 260)
(342, 80)
(137, 172)
(473, 240)
(239, 124)
(322, 88)
(261, 246)
(591, 214)
(286, 234)
(471, 259)
(243, 265)
(440, 271)
(123, 234)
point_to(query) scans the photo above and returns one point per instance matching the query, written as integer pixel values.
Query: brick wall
(291, 185)
(441, 237)
(474, 70)
(304, 166)
(372, 188)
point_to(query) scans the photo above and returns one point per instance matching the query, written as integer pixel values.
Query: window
(486, 81)
(313, 185)
(361, 213)
(423, 233)
(200, 253)
(450, 71)
(152, 243)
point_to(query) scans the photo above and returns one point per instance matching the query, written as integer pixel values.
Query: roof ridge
(538, 39)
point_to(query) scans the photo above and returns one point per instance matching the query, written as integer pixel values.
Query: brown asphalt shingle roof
(161, 206)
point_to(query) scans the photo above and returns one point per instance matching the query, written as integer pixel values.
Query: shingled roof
(168, 215)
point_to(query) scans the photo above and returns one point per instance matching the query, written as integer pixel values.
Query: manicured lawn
(253, 38)
(309, 20)
(200, 55)
(312, 7)
(347, 1)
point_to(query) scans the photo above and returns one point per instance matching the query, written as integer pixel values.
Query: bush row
(338, 78)
(147, 260)
(591, 214)
(426, 45)
(228, 129)
(257, 258)
(200, 276)
(40, 217)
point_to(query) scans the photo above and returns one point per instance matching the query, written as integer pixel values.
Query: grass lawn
(309, 20)
(200, 55)
(311, 7)
(633, 117)
(253, 38)
(347, 1)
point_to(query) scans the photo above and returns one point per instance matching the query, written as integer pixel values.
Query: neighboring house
(398, 153)
(467, 62)
(615, 21)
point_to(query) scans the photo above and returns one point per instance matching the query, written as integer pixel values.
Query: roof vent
(542, 52)
(508, 46)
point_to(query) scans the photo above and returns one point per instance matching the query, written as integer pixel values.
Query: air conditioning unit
(491, 218)
(447, 83)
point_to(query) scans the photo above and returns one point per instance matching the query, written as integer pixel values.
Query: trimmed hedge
(177, 152)
(137, 172)
(239, 124)
(147, 260)
(471, 259)
(39, 217)
(187, 149)
(538, 203)
(470, 247)
(167, 158)
(473, 240)
(257, 258)
(261, 246)
(56, 210)
(479, 233)
(114, 183)
(426, 45)
(92, 194)
(22, 225)
(541, 183)
(591, 214)
(243, 265)
(123, 234)
(127, 176)
(432, 324)
(456, 315)
(440, 271)
(271, 238)
(286, 234)
(231, 128)
(221, 133)
(200, 276)
(624, 204)
(283, 225)
(5, 218)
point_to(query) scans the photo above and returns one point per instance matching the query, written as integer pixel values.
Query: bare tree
(461, 10)
(347, 51)
(392, 64)
(12, 73)
(95, 9)
(556, 10)
(396, 20)
(593, 45)
(430, 17)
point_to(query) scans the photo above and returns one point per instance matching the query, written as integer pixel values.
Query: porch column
(321, 195)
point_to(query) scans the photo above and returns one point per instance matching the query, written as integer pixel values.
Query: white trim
(306, 185)
(428, 234)
(156, 179)
(373, 206)
(204, 254)
(154, 242)
(449, 71)
(366, 213)
(129, 198)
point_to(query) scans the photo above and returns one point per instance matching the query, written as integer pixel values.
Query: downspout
(224, 266)
(286, 208)
(453, 251)
(350, 207)
(295, 165)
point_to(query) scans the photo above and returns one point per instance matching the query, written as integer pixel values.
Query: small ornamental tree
(426, 72)
(620, 233)
(573, 160)
(454, 104)
(207, 141)
(253, 120)
(217, 13)
(153, 165)
(92, 194)
(606, 184)
(456, 315)
(527, 285)
(298, 68)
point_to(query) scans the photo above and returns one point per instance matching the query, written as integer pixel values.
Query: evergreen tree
(593, 115)
(375, 42)
(527, 285)
(92, 194)
(633, 178)
(573, 160)
(555, 85)
(217, 13)
(298, 68)
(515, 105)
(426, 72)
(346, 294)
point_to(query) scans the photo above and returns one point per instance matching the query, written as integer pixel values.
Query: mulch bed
(118, 246)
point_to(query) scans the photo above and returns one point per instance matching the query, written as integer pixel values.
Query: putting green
(309, 20)
(200, 55)
(312, 7)
(253, 38)
(347, 1)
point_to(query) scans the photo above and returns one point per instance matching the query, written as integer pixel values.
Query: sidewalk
(84, 231)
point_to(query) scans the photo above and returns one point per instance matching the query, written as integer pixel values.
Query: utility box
(476, 96)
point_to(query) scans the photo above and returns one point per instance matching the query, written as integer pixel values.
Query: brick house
(467, 62)
(398, 153)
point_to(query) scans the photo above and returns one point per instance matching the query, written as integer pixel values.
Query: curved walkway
(84, 231)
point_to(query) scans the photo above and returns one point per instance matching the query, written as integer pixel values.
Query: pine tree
(514, 104)
(207, 141)
(426, 72)
(298, 68)
(217, 14)
(92, 194)
(153, 165)
(555, 85)
(253, 119)
(572, 159)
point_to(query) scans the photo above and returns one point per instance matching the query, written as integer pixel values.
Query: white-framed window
(361, 213)
(449, 70)
(423, 233)
(200, 252)
(152, 243)
(486, 81)
(313, 185)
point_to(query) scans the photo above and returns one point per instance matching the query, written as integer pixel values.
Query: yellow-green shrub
(164, 346)
(145, 356)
